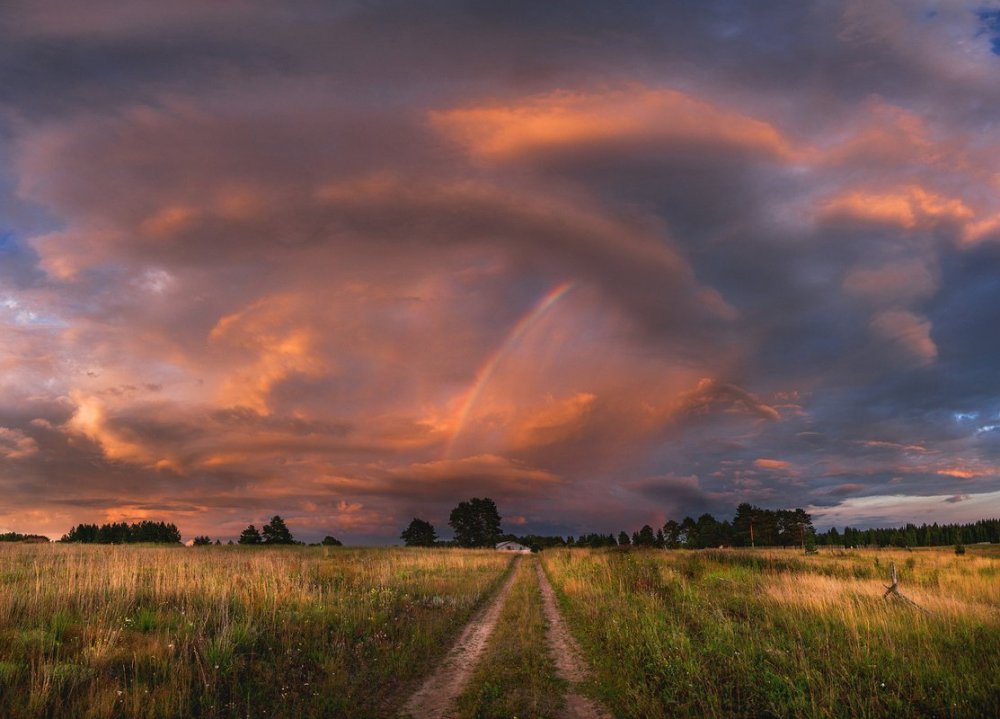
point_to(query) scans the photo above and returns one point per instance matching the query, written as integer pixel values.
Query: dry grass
(776, 633)
(102, 631)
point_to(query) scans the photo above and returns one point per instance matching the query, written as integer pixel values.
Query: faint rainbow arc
(486, 370)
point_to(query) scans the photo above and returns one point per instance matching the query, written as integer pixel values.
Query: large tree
(476, 523)
(420, 533)
(275, 532)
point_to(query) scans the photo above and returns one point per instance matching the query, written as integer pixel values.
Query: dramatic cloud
(354, 264)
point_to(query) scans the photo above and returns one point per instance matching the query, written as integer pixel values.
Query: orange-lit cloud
(567, 120)
(271, 344)
(554, 422)
(15, 444)
(909, 332)
(772, 464)
(906, 208)
(711, 394)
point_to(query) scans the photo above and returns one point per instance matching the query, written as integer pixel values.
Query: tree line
(753, 526)
(18, 537)
(275, 532)
(476, 523)
(124, 533)
(910, 535)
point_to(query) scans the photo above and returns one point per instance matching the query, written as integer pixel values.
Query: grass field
(781, 634)
(103, 631)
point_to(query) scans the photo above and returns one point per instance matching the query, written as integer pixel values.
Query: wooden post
(893, 590)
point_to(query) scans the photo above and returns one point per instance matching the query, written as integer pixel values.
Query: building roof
(512, 547)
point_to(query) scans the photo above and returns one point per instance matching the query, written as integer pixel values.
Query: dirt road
(435, 699)
(570, 664)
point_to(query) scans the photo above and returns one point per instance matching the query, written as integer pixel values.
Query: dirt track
(435, 699)
(570, 664)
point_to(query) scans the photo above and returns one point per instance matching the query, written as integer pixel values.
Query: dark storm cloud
(619, 262)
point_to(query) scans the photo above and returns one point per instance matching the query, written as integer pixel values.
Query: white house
(512, 547)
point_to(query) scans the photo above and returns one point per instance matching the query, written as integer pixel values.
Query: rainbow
(485, 372)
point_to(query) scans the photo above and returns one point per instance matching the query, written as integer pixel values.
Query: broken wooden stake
(893, 590)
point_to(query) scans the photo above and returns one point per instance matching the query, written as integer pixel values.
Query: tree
(645, 537)
(689, 533)
(623, 540)
(202, 541)
(476, 523)
(329, 541)
(708, 531)
(420, 533)
(275, 532)
(672, 534)
(250, 535)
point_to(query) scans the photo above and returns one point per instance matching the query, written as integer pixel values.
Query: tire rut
(570, 664)
(435, 699)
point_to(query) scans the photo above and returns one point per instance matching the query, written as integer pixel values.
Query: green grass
(779, 634)
(516, 677)
(151, 632)
(227, 632)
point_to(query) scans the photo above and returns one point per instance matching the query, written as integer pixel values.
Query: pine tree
(250, 535)
(276, 532)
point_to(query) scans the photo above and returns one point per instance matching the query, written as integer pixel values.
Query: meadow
(777, 633)
(143, 631)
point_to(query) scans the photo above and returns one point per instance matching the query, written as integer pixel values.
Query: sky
(606, 263)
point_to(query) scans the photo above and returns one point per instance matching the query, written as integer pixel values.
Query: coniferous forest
(124, 533)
